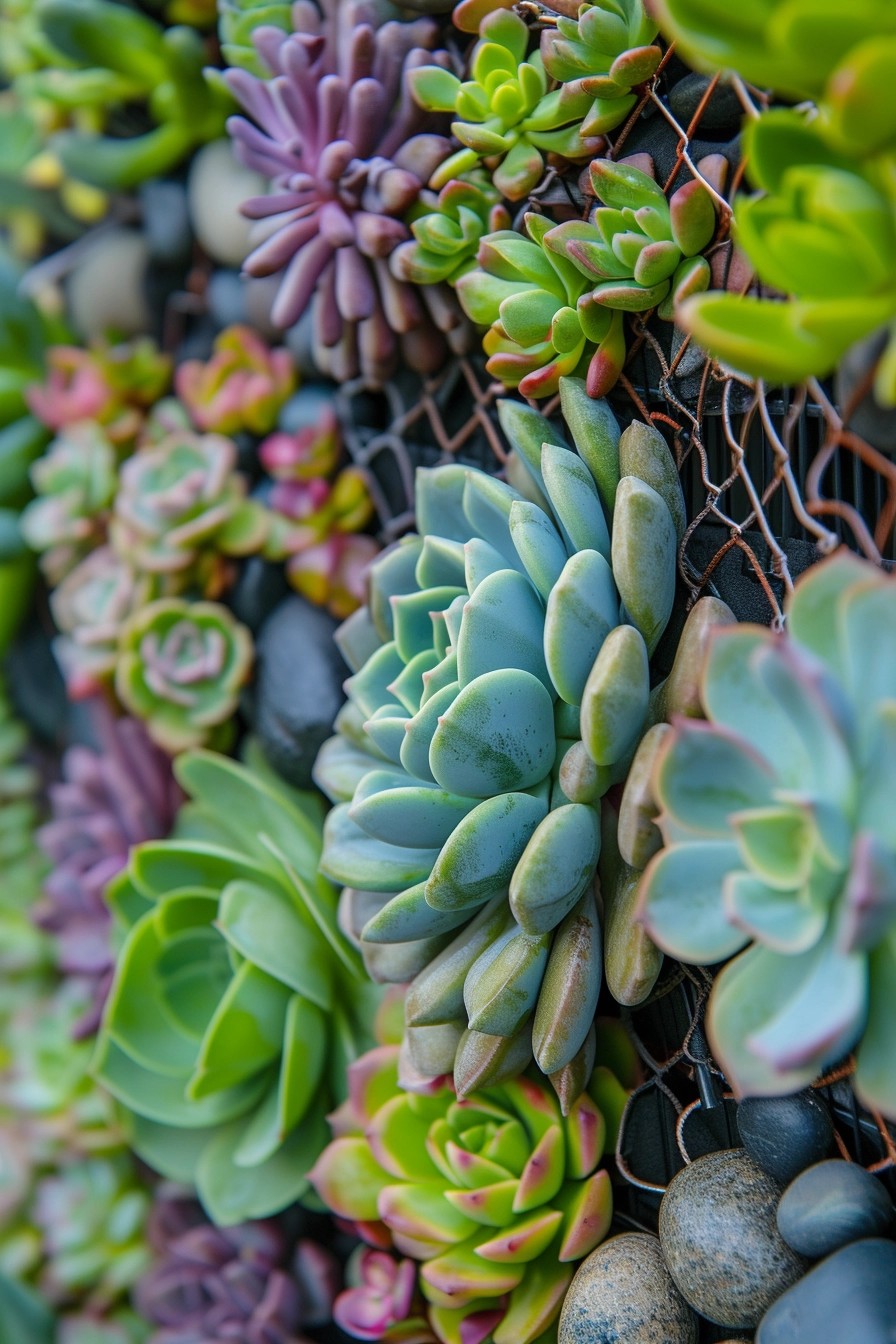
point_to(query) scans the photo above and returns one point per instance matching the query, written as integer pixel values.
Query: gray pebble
(106, 289)
(832, 1204)
(166, 221)
(849, 1298)
(785, 1134)
(721, 1243)
(622, 1294)
(216, 188)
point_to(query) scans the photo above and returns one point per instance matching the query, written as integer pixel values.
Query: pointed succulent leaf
(582, 610)
(569, 992)
(502, 986)
(643, 554)
(616, 694)
(556, 865)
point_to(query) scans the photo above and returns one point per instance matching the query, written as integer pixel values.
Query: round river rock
(622, 1294)
(721, 1242)
(848, 1298)
(832, 1204)
(785, 1134)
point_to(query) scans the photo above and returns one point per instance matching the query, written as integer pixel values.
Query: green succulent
(541, 325)
(499, 1194)
(778, 825)
(181, 501)
(237, 1004)
(180, 667)
(638, 250)
(447, 230)
(600, 56)
(506, 118)
(500, 684)
(74, 483)
(824, 233)
(22, 947)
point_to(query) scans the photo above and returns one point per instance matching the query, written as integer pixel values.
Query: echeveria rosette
(90, 608)
(74, 482)
(237, 1003)
(603, 54)
(495, 697)
(638, 250)
(347, 151)
(824, 233)
(242, 386)
(505, 116)
(112, 385)
(498, 1193)
(541, 326)
(180, 668)
(181, 502)
(447, 230)
(382, 1302)
(779, 832)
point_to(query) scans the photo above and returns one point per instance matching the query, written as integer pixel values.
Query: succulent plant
(119, 56)
(495, 696)
(825, 234)
(447, 229)
(234, 1283)
(180, 502)
(111, 385)
(238, 20)
(777, 821)
(347, 151)
(383, 1305)
(505, 115)
(638, 250)
(180, 668)
(104, 803)
(498, 1194)
(540, 329)
(243, 386)
(21, 949)
(236, 1004)
(602, 55)
(90, 608)
(75, 483)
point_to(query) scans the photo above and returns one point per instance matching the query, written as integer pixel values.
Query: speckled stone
(622, 1294)
(720, 1240)
(849, 1298)
(785, 1134)
(832, 1204)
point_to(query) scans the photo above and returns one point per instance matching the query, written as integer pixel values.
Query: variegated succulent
(498, 1193)
(778, 825)
(111, 384)
(242, 386)
(500, 685)
(75, 483)
(90, 608)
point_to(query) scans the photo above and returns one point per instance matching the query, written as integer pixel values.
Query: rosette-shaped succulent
(447, 229)
(347, 151)
(638, 250)
(112, 385)
(90, 608)
(237, 1004)
(180, 668)
(180, 502)
(495, 697)
(601, 56)
(104, 803)
(243, 386)
(779, 830)
(505, 116)
(541, 322)
(383, 1305)
(75, 484)
(499, 1194)
(235, 1283)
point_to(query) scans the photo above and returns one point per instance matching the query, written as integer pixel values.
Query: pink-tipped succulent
(90, 606)
(383, 1305)
(347, 151)
(498, 1194)
(105, 802)
(75, 484)
(109, 384)
(242, 386)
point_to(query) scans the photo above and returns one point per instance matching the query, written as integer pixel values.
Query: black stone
(785, 1134)
(298, 687)
(849, 1298)
(832, 1204)
(723, 112)
(260, 588)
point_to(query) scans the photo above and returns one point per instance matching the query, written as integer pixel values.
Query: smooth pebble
(849, 1298)
(785, 1134)
(832, 1204)
(622, 1294)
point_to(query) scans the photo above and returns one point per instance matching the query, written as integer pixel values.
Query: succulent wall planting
(500, 685)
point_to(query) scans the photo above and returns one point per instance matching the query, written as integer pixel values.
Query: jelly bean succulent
(347, 151)
(777, 819)
(447, 229)
(243, 386)
(496, 694)
(180, 667)
(75, 483)
(237, 1004)
(505, 116)
(498, 1193)
(600, 56)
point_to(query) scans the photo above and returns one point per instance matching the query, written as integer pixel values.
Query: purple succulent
(347, 151)
(231, 1285)
(105, 802)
